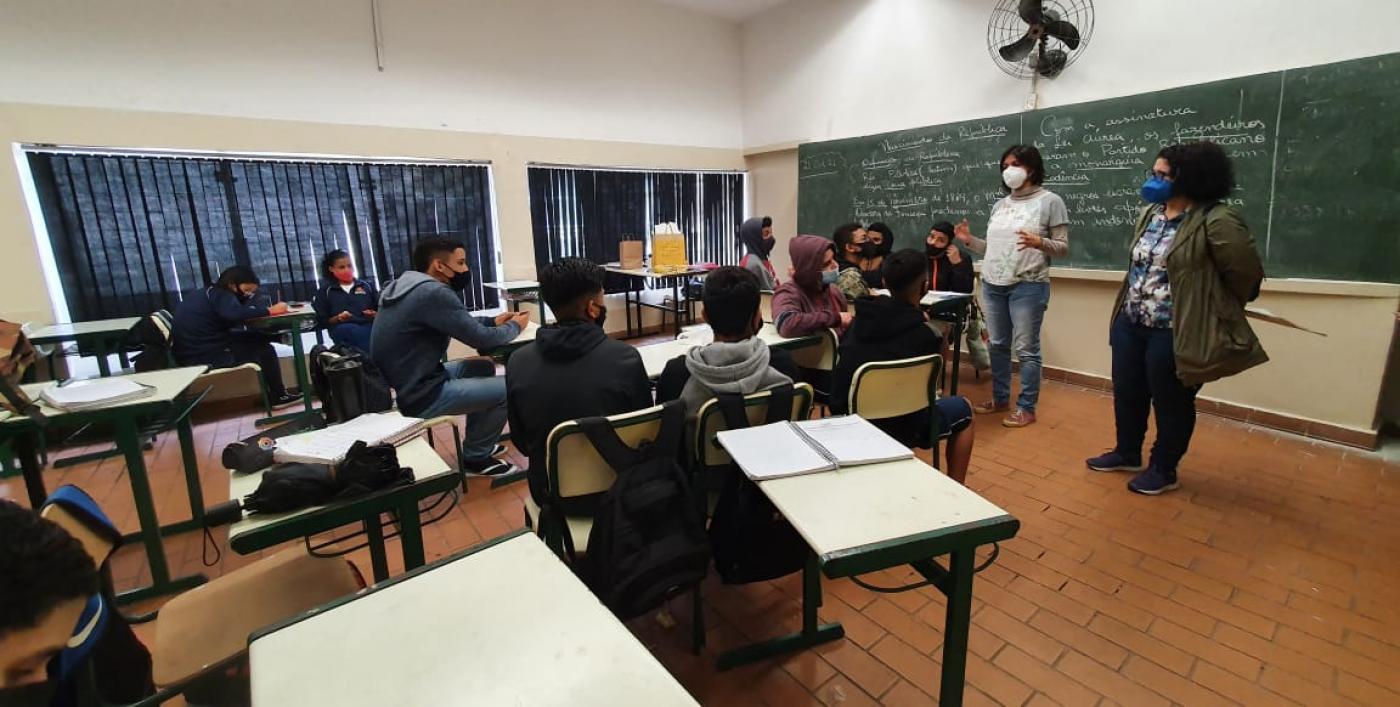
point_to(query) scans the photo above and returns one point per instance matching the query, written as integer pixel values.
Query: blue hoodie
(418, 317)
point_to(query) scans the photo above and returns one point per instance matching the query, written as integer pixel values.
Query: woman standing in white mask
(1026, 229)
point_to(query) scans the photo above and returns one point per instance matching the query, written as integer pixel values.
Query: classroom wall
(617, 70)
(23, 296)
(825, 69)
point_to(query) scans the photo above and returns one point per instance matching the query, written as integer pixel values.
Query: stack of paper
(94, 393)
(328, 446)
(811, 446)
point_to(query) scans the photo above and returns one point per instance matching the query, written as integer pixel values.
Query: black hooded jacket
(884, 330)
(572, 370)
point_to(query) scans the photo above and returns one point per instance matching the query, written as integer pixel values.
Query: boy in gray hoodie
(419, 314)
(738, 361)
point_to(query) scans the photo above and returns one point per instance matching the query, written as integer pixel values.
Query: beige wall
(22, 289)
(1335, 379)
(773, 186)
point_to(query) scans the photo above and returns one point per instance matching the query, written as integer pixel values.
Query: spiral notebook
(329, 445)
(810, 446)
(94, 393)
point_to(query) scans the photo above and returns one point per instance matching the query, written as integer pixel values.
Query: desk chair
(821, 357)
(206, 629)
(711, 458)
(886, 389)
(574, 470)
(164, 329)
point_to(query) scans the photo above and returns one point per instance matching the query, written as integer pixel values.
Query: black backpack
(648, 539)
(151, 336)
(751, 540)
(348, 383)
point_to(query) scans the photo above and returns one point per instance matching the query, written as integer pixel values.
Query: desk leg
(374, 534)
(959, 328)
(129, 442)
(104, 368)
(411, 534)
(958, 587)
(299, 361)
(675, 304)
(33, 472)
(811, 634)
(191, 464)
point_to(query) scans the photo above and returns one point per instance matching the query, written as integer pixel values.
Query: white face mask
(1014, 177)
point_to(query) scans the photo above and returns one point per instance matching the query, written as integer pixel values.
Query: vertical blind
(135, 233)
(587, 212)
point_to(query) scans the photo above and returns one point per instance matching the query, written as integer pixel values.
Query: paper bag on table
(630, 254)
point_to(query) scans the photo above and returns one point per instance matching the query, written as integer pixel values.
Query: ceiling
(737, 10)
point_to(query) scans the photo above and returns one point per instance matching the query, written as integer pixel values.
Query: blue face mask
(1156, 190)
(829, 276)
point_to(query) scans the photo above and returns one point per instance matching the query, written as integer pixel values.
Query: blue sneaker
(1152, 482)
(1114, 461)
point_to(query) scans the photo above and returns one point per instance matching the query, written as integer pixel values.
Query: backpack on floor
(750, 539)
(348, 383)
(648, 539)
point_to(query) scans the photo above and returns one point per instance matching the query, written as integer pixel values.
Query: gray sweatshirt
(418, 317)
(740, 367)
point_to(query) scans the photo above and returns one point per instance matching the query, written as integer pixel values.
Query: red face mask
(345, 276)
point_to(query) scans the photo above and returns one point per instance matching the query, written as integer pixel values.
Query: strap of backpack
(780, 403)
(673, 425)
(610, 447)
(731, 405)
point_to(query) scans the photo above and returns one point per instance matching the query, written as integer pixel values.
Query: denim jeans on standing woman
(1014, 314)
(1144, 375)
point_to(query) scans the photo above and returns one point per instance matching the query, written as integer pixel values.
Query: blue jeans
(481, 396)
(1014, 313)
(1144, 376)
(354, 334)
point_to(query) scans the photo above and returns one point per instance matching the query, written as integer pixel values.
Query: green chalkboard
(1316, 154)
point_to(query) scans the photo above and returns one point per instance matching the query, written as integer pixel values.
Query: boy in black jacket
(892, 328)
(949, 270)
(572, 369)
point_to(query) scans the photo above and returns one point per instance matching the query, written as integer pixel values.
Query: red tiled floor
(1271, 577)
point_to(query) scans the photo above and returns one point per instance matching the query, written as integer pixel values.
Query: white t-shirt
(1039, 212)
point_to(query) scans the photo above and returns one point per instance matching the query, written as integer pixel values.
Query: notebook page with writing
(93, 393)
(328, 446)
(852, 441)
(773, 451)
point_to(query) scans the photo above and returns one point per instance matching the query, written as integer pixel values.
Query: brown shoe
(1020, 418)
(991, 406)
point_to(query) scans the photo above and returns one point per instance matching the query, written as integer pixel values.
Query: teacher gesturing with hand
(1026, 229)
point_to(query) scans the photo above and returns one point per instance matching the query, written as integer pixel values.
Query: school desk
(294, 321)
(104, 336)
(640, 279)
(656, 356)
(514, 292)
(432, 477)
(954, 308)
(503, 623)
(864, 519)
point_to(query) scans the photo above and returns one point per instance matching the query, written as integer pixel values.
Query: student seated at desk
(949, 270)
(209, 330)
(572, 369)
(738, 361)
(419, 314)
(854, 251)
(889, 328)
(809, 301)
(345, 305)
(883, 238)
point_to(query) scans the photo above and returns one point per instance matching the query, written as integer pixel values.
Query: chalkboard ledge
(1293, 285)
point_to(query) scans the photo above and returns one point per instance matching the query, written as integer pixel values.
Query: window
(134, 232)
(587, 212)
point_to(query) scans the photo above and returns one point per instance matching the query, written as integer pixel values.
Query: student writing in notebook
(572, 369)
(889, 328)
(738, 361)
(345, 305)
(209, 330)
(419, 314)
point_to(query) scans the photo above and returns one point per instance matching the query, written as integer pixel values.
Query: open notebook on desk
(94, 393)
(328, 446)
(810, 446)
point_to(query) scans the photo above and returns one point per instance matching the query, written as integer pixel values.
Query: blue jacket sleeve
(479, 333)
(231, 310)
(322, 307)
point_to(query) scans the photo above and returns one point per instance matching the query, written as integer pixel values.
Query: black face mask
(460, 280)
(39, 694)
(934, 251)
(868, 250)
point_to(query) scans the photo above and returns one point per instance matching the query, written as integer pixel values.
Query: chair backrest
(765, 305)
(710, 421)
(574, 467)
(883, 389)
(821, 357)
(98, 547)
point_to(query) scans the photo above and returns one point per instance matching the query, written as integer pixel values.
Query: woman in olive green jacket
(1178, 321)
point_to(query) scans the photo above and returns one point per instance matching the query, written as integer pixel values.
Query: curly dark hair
(903, 269)
(565, 280)
(731, 300)
(1029, 157)
(1201, 171)
(843, 235)
(41, 566)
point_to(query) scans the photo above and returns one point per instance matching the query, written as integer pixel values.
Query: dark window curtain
(587, 212)
(132, 234)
